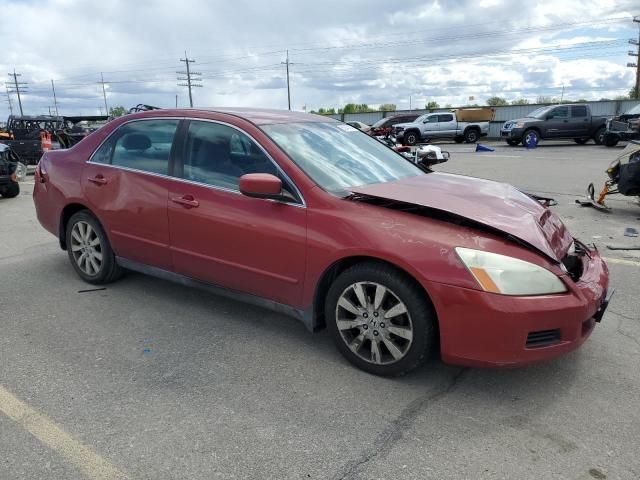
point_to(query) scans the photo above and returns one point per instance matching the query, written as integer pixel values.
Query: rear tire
(12, 190)
(388, 326)
(581, 141)
(89, 250)
(411, 137)
(471, 135)
(598, 137)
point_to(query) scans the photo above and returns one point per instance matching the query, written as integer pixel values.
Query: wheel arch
(67, 212)
(342, 264)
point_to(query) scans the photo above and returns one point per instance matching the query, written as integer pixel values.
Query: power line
(190, 78)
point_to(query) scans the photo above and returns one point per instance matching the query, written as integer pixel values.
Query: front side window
(338, 157)
(560, 112)
(218, 155)
(447, 117)
(140, 145)
(432, 119)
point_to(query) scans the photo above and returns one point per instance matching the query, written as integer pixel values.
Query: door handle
(186, 201)
(98, 180)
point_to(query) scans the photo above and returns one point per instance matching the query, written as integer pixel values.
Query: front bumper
(487, 330)
(512, 133)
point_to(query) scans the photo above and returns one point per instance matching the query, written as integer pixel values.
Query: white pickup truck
(440, 125)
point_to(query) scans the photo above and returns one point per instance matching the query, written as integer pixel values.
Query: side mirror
(261, 185)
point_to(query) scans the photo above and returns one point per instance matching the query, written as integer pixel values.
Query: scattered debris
(623, 247)
(630, 232)
(92, 290)
(484, 148)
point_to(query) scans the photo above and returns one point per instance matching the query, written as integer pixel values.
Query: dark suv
(384, 126)
(9, 186)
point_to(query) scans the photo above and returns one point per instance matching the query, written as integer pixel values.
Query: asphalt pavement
(147, 379)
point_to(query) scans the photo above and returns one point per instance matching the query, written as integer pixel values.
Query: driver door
(557, 123)
(220, 236)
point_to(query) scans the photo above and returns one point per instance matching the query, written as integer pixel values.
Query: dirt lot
(150, 380)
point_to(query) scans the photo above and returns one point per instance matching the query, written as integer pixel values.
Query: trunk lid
(498, 205)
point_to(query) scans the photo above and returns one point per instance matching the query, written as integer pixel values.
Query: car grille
(543, 338)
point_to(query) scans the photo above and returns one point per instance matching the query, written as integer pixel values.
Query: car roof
(264, 116)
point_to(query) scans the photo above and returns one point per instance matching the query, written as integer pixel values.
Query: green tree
(622, 97)
(117, 111)
(520, 101)
(325, 111)
(496, 101)
(432, 105)
(633, 95)
(387, 107)
(448, 105)
(547, 100)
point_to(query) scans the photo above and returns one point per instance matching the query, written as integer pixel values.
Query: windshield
(337, 156)
(421, 118)
(539, 113)
(634, 111)
(379, 123)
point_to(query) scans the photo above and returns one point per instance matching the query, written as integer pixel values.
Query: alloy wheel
(86, 248)
(374, 323)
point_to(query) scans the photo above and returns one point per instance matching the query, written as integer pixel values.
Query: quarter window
(579, 111)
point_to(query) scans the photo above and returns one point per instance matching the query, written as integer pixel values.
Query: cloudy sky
(361, 51)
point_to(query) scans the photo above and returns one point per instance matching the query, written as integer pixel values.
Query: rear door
(126, 183)
(447, 124)
(222, 237)
(580, 121)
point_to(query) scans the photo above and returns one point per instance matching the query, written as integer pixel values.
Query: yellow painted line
(54, 437)
(620, 261)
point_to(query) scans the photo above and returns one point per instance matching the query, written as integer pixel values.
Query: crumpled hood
(498, 205)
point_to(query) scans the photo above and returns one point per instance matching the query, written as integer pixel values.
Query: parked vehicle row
(310, 217)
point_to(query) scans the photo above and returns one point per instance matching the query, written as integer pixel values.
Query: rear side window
(141, 145)
(447, 117)
(579, 111)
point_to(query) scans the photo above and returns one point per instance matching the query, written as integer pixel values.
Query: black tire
(12, 190)
(421, 318)
(598, 137)
(528, 135)
(411, 137)
(512, 143)
(581, 141)
(109, 270)
(471, 135)
(458, 139)
(611, 140)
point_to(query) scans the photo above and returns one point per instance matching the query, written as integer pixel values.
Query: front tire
(381, 321)
(611, 140)
(411, 137)
(13, 190)
(89, 250)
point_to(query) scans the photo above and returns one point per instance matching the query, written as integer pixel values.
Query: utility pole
(55, 100)
(104, 94)
(9, 100)
(636, 54)
(176, 100)
(562, 95)
(18, 85)
(287, 63)
(191, 77)
(409, 102)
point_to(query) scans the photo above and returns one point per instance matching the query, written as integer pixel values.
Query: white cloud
(359, 51)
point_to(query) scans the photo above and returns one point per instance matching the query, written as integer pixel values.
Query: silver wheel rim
(472, 137)
(530, 136)
(374, 323)
(86, 248)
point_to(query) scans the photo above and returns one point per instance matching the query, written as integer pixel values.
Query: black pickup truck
(555, 122)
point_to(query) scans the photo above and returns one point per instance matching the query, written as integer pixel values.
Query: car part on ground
(335, 228)
(572, 121)
(624, 178)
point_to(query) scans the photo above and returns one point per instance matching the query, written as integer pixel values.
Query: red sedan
(311, 217)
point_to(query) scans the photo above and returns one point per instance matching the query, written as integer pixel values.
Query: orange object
(45, 140)
(603, 193)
